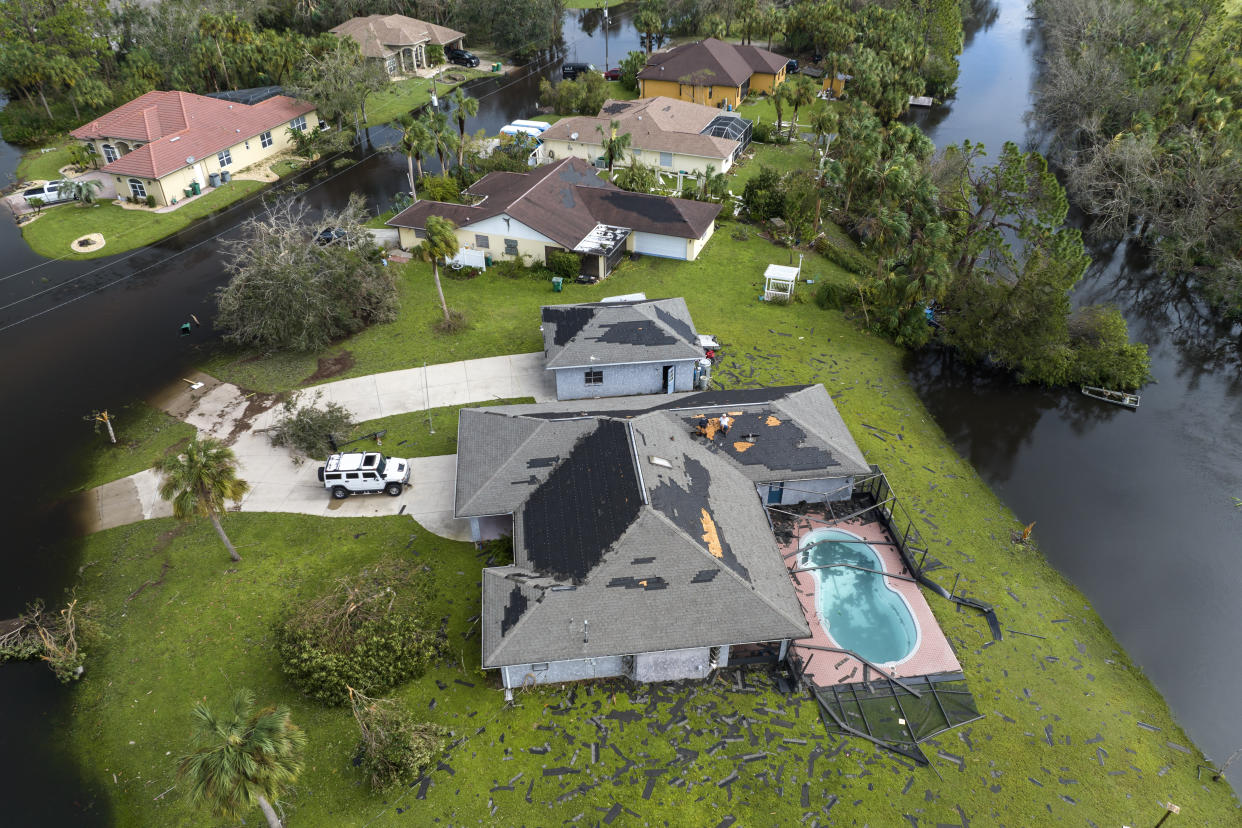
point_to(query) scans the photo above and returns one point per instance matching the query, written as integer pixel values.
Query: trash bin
(214, 178)
(557, 283)
(487, 259)
(189, 192)
(225, 176)
(195, 189)
(495, 67)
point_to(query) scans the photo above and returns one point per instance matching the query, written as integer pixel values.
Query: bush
(150, 200)
(456, 323)
(370, 632)
(763, 196)
(435, 54)
(307, 429)
(765, 133)
(840, 255)
(564, 264)
(395, 747)
(833, 295)
(631, 65)
(439, 188)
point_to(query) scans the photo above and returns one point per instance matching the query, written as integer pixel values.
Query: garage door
(651, 244)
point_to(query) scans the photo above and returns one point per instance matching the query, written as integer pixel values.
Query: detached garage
(666, 247)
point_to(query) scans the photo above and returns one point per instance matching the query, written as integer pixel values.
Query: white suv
(364, 473)
(53, 192)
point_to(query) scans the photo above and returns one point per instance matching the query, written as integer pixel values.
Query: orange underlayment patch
(741, 446)
(710, 536)
(772, 421)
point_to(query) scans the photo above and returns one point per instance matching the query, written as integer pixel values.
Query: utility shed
(610, 349)
(641, 545)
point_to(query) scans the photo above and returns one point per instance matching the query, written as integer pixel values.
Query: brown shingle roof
(657, 124)
(179, 125)
(711, 62)
(565, 201)
(378, 34)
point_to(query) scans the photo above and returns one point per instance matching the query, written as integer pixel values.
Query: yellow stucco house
(162, 143)
(711, 72)
(564, 207)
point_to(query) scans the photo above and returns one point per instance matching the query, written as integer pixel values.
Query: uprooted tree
(54, 637)
(370, 631)
(309, 426)
(298, 284)
(396, 747)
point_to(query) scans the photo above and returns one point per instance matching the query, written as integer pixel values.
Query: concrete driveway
(278, 484)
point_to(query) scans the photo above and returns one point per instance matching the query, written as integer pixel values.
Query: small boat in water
(1122, 398)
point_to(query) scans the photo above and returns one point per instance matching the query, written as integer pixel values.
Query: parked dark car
(791, 66)
(461, 57)
(330, 235)
(569, 71)
(613, 74)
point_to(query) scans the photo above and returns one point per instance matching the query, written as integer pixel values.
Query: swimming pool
(858, 609)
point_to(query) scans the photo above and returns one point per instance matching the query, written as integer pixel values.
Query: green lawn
(591, 4)
(37, 165)
(1059, 741)
(428, 433)
(781, 157)
(143, 435)
(123, 230)
(402, 97)
(761, 109)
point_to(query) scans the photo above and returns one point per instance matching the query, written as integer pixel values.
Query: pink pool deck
(933, 654)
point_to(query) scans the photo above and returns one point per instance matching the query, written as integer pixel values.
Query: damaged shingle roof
(616, 554)
(612, 333)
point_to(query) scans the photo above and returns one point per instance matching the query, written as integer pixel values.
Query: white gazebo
(779, 281)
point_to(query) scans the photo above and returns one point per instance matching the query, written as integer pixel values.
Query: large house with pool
(641, 542)
(167, 145)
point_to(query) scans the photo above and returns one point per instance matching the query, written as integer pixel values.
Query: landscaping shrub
(833, 295)
(435, 54)
(564, 264)
(499, 550)
(763, 196)
(150, 200)
(456, 323)
(306, 429)
(765, 133)
(369, 632)
(395, 747)
(461, 274)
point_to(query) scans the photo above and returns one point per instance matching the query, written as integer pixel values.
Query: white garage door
(651, 244)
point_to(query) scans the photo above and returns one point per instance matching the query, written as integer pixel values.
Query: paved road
(277, 484)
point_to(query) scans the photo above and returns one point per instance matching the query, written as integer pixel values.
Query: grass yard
(37, 165)
(591, 4)
(782, 157)
(123, 230)
(144, 434)
(761, 109)
(1060, 741)
(721, 289)
(428, 433)
(404, 96)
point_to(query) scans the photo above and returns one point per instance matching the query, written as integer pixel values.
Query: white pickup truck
(368, 472)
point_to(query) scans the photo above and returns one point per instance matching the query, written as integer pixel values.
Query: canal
(1136, 508)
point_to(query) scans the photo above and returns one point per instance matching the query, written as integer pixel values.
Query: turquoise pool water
(858, 609)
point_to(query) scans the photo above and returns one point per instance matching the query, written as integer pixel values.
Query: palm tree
(648, 23)
(614, 145)
(84, 189)
(713, 185)
(441, 242)
(198, 481)
(416, 141)
(773, 23)
(243, 759)
(442, 137)
(779, 95)
(464, 107)
(801, 93)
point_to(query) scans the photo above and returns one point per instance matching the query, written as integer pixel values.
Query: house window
(420, 233)
(136, 188)
(298, 124)
(666, 159)
(110, 153)
(481, 241)
(511, 247)
(595, 377)
(225, 158)
(265, 140)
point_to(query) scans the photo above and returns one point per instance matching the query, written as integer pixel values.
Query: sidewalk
(221, 410)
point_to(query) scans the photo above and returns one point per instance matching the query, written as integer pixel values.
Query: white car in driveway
(369, 472)
(53, 192)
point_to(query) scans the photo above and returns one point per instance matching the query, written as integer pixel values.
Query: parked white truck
(370, 472)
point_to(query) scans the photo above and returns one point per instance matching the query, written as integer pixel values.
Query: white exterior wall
(624, 380)
(812, 491)
(654, 244)
(490, 527)
(671, 665)
(553, 672)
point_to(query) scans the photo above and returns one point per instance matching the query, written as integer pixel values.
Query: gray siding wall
(554, 672)
(488, 528)
(812, 491)
(672, 665)
(623, 380)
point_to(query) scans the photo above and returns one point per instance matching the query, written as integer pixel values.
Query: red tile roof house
(564, 206)
(162, 142)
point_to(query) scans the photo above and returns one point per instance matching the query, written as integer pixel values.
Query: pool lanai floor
(932, 655)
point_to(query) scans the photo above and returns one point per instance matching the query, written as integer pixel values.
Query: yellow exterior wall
(174, 183)
(695, 246)
(466, 241)
(706, 95)
(763, 82)
(558, 149)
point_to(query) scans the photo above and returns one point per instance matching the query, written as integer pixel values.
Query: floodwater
(1134, 507)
